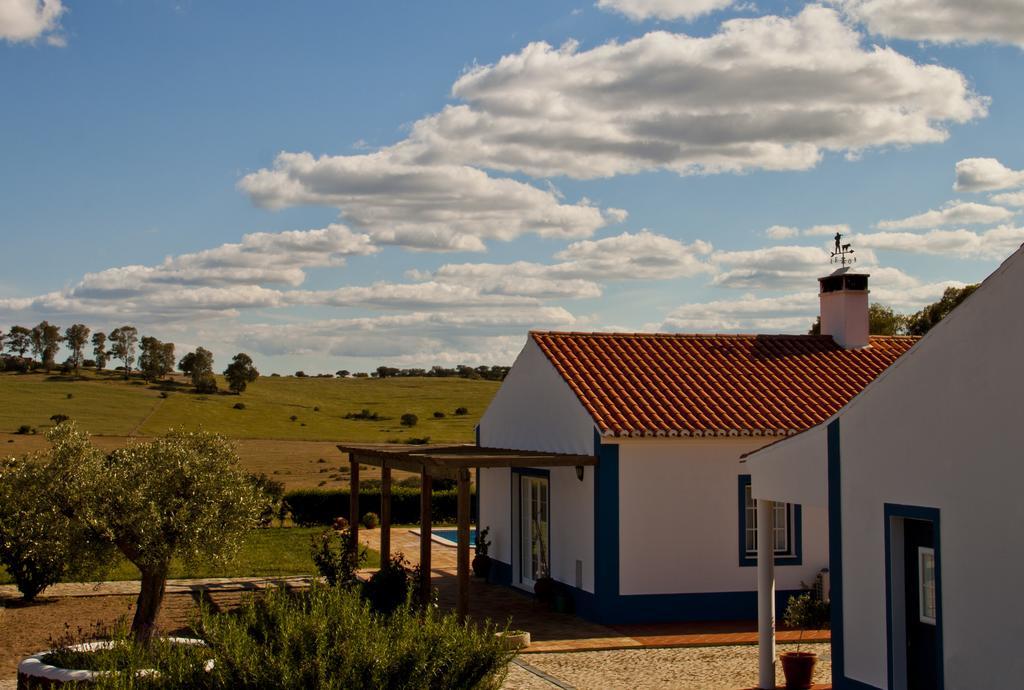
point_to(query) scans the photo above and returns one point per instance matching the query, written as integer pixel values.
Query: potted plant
(544, 586)
(481, 561)
(803, 612)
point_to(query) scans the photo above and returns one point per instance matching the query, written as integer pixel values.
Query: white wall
(536, 410)
(679, 519)
(941, 429)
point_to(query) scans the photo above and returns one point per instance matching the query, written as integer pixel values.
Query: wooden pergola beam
(462, 544)
(385, 514)
(426, 488)
(353, 504)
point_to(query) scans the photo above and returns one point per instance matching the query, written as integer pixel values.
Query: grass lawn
(266, 552)
(107, 405)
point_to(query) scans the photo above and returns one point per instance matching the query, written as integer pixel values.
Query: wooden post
(463, 544)
(353, 502)
(426, 486)
(385, 514)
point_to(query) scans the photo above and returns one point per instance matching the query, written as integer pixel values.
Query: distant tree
(342, 373)
(99, 349)
(882, 320)
(241, 372)
(409, 419)
(924, 320)
(152, 359)
(76, 337)
(167, 355)
(300, 374)
(45, 343)
(19, 340)
(123, 341)
(198, 366)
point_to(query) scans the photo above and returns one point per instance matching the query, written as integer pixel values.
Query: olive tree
(181, 495)
(240, 373)
(39, 545)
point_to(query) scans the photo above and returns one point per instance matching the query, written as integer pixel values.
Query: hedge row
(311, 507)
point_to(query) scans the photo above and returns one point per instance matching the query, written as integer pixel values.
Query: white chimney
(844, 307)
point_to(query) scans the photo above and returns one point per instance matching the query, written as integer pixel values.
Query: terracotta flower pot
(481, 565)
(798, 667)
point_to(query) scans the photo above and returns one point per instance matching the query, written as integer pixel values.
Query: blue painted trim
(501, 573)
(932, 515)
(606, 524)
(668, 608)
(476, 430)
(517, 496)
(795, 528)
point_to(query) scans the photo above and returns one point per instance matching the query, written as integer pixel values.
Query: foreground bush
(327, 638)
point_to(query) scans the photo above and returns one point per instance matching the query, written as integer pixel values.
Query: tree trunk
(151, 596)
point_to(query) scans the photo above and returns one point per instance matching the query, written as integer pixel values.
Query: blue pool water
(452, 535)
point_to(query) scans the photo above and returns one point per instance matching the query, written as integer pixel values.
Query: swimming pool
(452, 536)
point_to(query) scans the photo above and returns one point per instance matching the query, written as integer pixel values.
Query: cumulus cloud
(985, 175)
(953, 213)
(583, 267)
(996, 244)
(405, 296)
(430, 207)
(942, 21)
(785, 232)
(1009, 198)
(639, 10)
(769, 93)
(774, 268)
(28, 20)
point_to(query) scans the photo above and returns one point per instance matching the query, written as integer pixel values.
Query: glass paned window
(781, 527)
(926, 584)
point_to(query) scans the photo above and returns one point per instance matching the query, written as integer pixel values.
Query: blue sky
(451, 183)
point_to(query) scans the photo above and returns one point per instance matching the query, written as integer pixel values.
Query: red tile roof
(655, 384)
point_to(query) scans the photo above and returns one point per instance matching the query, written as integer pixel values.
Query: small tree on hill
(19, 340)
(182, 495)
(76, 337)
(46, 340)
(409, 419)
(241, 372)
(198, 366)
(99, 350)
(123, 341)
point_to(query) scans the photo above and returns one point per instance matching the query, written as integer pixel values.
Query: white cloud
(942, 21)
(1009, 198)
(430, 207)
(994, 244)
(28, 20)
(639, 10)
(985, 175)
(771, 267)
(405, 296)
(785, 232)
(583, 267)
(953, 213)
(788, 313)
(769, 93)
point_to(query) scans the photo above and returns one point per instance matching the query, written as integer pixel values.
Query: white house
(664, 527)
(921, 475)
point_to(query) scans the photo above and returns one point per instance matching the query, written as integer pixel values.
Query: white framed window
(927, 606)
(781, 531)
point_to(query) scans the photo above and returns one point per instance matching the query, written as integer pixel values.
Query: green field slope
(107, 405)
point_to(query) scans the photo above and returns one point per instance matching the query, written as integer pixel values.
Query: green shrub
(461, 411)
(439, 415)
(409, 419)
(58, 418)
(25, 429)
(805, 612)
(239, 406)
(364, 415)
(311, 507)
(371, 520)
(392, 585)
(339, 564)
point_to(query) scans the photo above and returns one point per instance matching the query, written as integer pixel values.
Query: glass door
(533, 512)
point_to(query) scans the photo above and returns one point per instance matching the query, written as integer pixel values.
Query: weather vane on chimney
(842, 254)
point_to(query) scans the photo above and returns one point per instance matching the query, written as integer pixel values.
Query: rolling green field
(273, 552)
(107, 405)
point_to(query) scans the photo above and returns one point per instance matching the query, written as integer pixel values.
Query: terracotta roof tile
(655, 384)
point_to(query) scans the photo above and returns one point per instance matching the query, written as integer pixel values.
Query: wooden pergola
(448, 462)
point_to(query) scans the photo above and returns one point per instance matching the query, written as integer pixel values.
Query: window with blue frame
(786, 533)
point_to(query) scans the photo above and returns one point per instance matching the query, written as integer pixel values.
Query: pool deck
(560, 632)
